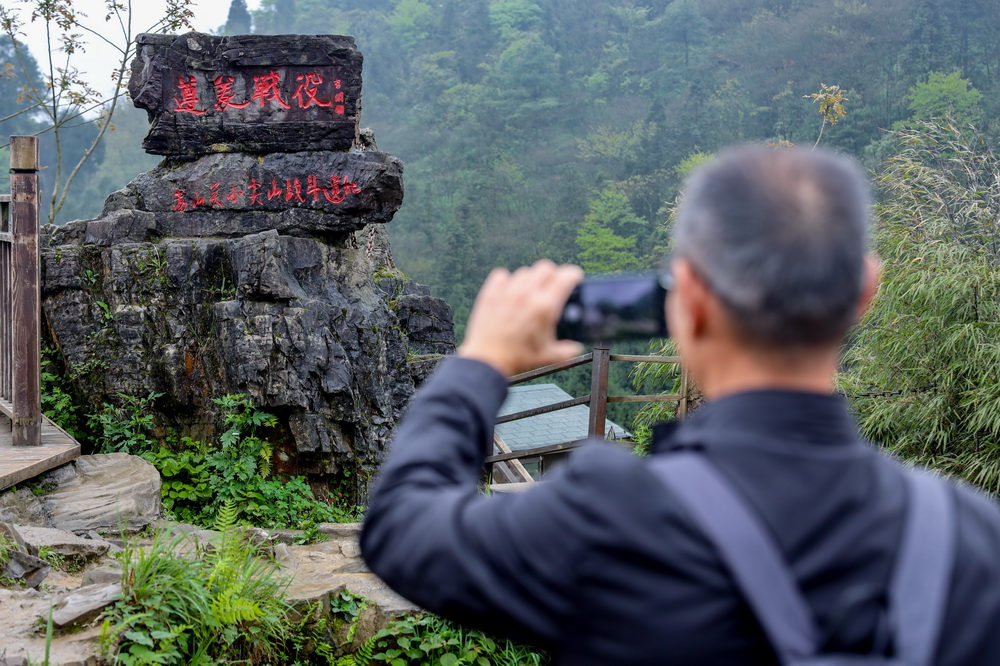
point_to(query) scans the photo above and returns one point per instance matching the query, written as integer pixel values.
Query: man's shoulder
(601, 468)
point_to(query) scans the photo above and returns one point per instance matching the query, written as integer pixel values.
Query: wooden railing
(20, 355)
(506, 466)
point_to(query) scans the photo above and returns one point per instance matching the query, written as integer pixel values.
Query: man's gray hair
(780, 237)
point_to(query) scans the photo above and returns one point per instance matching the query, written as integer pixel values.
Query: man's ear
(869, 288)
(691, 296)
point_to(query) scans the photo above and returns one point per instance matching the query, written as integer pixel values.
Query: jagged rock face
(292, 307)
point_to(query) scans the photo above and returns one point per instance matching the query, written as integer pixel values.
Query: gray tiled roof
(557, 427)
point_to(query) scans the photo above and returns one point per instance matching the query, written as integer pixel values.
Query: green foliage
(57, 402)
(232, 480)
(127, 426)
(946, 95)
(427, 639)
(651, 378)
(238, 21)
(224, 603)
(410, 21)
(67, 563)
(604, 251)
(7, 545)
(186, 471)
(692, 162)
(931, 332)
(242, 456)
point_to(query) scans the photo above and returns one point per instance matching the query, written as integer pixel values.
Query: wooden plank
(599, 389)
(5, 341)
(645, 398)
(549, 369)
(19, 464)
(515, 465)
(25, 297)
(544, 409)
(511, 487)
(538, 451)
(632, 358)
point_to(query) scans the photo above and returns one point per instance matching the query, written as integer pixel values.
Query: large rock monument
(252, 260)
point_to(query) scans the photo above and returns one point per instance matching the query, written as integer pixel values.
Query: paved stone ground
(318, 571)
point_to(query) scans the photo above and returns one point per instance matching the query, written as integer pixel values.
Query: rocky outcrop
(252, 260)
(299, 325)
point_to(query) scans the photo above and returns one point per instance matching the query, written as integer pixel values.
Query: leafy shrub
(187, 473)
(126, 426)
(199, 479)
(428, 639)
(225, 602)
(57, 403)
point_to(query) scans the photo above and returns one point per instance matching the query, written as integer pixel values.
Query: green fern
(229, 608)
(264, 467)
(364, 654)
(226, 518)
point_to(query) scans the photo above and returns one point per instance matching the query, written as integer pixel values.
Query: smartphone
(616, 307)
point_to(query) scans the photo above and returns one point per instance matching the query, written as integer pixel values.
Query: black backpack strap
(747, 550)
(917, 590)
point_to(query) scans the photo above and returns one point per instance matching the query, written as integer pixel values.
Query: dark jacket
(601, 565)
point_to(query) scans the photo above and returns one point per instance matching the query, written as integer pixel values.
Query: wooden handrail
(537, 451)
(645, 398)
(598, 399)
(544, 409)
(549, 369)
(632, 358)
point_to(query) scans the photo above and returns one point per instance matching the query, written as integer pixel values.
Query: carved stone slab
(368, 185)
(247, 93)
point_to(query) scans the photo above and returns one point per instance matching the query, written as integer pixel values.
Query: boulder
(27, 569)
(106, 492)
(84, 604)
(297, 324)
(65, 544)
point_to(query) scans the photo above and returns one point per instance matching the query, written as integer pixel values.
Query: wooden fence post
(26, 330)
(599, 389)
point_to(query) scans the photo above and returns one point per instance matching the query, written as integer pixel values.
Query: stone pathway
(90, 577)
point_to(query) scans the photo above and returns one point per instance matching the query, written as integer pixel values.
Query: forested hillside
(558, 128)
(564, 128)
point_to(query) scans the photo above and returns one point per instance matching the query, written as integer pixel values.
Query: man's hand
(513, 322)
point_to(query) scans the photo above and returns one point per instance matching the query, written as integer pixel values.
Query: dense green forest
(535, 128)
(552, 128)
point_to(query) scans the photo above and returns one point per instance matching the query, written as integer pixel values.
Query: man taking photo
(604, 562)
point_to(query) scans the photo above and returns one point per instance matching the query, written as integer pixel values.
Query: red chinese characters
(224, 94)
(333, 190)
(265, 88)
(311, 90)
(188, 87)
(306, 93)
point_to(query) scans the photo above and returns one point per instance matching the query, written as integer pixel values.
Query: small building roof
(564, 425)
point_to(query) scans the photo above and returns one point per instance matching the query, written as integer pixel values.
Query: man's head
(778, 240)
